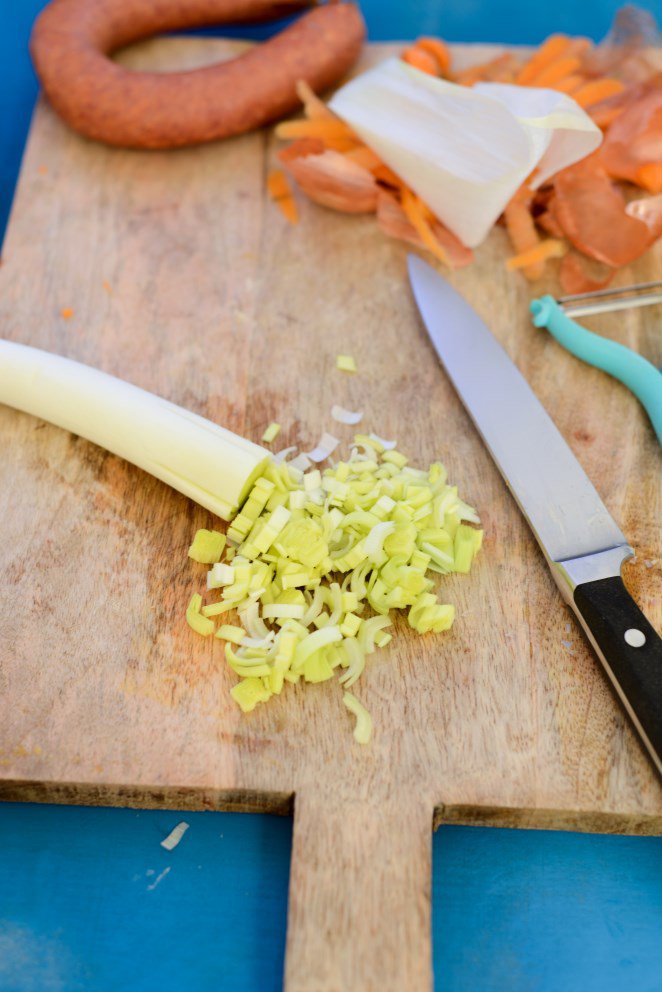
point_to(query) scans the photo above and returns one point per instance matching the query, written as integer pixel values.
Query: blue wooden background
(89, 900)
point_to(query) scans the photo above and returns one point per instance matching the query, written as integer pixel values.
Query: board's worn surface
(183, 279)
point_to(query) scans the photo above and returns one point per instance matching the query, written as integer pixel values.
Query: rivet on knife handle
(630, 651)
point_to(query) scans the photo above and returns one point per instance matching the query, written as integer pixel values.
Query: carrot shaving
(597, 90)
(420, 59)
(415, 212)
(438, 49)
(579, 47)
(277, 184)
(281, 193)
(386, 175)
(313, 107)
(325, 129)
(66, 313)
(550, 51)
(497, 70)
(570, 83)
(574, 277)
(334, 181)
(649, 177)
(288, 207)
(551, 248)
(300, 148)
(553, 73)
(603, 118)
(364, 156)
(522, 230)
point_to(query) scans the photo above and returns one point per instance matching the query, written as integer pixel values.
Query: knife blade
(582, 543)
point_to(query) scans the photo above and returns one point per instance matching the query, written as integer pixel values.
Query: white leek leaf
(374, 542)
(172, 840)
(312, 480)
(356, 658)
(463, 150)
(281, 455)
(302, 462)
(326, 445)
(219, 575)
(312, 643)
(343, 416)
(288, 611)
(386, 445)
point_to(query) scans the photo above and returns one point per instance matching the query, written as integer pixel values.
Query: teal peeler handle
(641, 378)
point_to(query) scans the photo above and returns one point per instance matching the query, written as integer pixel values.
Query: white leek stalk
(205, 462)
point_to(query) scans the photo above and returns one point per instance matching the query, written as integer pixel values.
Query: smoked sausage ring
(72, 41)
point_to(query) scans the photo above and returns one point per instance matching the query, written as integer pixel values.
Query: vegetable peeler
(632, 369)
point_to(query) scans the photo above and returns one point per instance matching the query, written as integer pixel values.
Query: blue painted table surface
(89, 900)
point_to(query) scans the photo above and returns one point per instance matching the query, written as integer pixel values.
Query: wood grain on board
(185, 280)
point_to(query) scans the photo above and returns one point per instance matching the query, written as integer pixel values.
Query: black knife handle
(631, 653)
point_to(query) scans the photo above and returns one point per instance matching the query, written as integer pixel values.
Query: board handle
(359, 904)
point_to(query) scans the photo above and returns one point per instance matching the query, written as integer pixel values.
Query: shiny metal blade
(563, 509)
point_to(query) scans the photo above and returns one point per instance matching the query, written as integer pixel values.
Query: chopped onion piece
(199, 623)
(219, 575)
(375, 539)
(386, 445)
(229, 632)
(281, 455)
(175, 835)
(302, 462)
(289, 611)
(343, 416)
(322, 559)
(345, 363)
(326, 446)
(312, 480)
(271, 433)
(363, 728)
(207, 547)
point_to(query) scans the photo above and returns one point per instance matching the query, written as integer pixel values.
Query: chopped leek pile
(316, 560)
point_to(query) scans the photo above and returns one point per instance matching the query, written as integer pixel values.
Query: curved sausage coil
(73, 40)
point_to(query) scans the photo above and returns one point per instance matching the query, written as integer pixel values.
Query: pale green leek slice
(230, 632)
(207, 547)
(345, 363)
(249, 692)
(200, 624)
(320, 558)
(363, 727)
(271, 433)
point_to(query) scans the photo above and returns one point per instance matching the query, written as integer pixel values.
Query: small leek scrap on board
(363, 727)
(345, 363)
(272, 431)
(317, 560)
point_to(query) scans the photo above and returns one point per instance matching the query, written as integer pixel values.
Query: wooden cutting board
(184, 279)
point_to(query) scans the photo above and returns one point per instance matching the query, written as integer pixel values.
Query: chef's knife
(581, 542)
